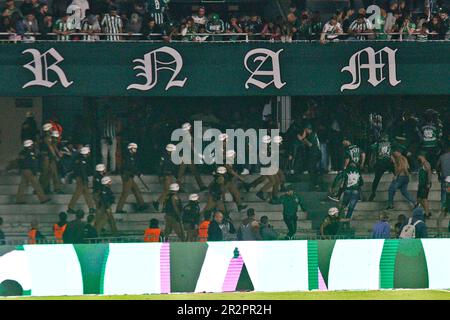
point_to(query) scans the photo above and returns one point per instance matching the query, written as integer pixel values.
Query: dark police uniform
(82, 171)
(129, 171)
(104, 214)
(173, 209)
(29, 166)
(216, 194)
(167, 173)
(191, 220)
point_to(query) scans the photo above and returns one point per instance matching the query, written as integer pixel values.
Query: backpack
(409, 230)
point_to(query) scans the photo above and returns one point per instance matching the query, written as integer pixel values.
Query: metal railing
(216, 37)
(172, 239)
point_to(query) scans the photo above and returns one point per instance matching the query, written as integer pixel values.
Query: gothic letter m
(375, 66)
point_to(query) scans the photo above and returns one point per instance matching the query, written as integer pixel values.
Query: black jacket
(28, 160)
(106, 197)
(130, 166)
(74, 232)
(82, 168)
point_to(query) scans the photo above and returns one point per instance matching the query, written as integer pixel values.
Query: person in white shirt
(331, 30)
(360, 26)
(200, 18)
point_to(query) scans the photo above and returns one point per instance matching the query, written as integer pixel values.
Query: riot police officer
(82, 171)
(104, 214)
(129, 171)
(166, 175)
(173, 209)
(29, 167)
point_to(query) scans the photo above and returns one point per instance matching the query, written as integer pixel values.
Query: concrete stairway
(17, 218)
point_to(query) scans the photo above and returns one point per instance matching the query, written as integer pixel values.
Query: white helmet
(85, 150)
(186, 126)
(47, 127)
(55, 134)
(174, 187)
(100, 167)
(277, 139)
(447, 179)
(221, 170)
(132, 146)
(266, 139)
(333, 212)
(106, 180)
(28, 143)
(193, 197)
(171, 147)
(223, 137)
(245, 172)
(231, 154)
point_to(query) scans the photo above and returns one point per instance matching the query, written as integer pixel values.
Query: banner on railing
(272, 266)
(223, 69)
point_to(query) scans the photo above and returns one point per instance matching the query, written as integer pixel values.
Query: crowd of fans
(152, 20)
(347, 142)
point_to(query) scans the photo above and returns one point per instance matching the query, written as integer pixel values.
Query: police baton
(146, 187)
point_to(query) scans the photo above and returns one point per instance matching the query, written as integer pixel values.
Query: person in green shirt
(215, 26)
(291, 201)
(353, 182)
(424, 175)
(352, 154)
(431, 132)
(156, 9)
(381, 154)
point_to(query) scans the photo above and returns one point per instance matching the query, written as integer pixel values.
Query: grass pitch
(313, 295)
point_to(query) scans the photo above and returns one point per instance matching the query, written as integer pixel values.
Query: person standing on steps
(331, 224)
(291, 201)
(425, 174)
(352, 154)
(99, 174)
(130, 169)
(29, 167)
(381, 152)
(174, 210)
(82, 171)
(230, 175)
(191, 166)
(400, 180)
(166, 175)
(104, 214)
(48, 152)
(191, 218)
(353, 183)
(216, 192)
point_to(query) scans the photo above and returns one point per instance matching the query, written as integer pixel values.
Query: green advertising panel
(272, 266)
(224, 69)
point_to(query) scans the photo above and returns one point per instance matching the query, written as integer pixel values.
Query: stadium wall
(224, 69)
(144, 268)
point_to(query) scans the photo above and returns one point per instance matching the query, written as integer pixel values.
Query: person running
(353, 183)
(381, 152)
(29, 167)
(191, 218)
(105, 214)
(82, 171)
(216, 193)
(174, 210)
(230, 176)
(425, 175)
(166, 175)
(191, 165)
(291, 201)
(352, 154)
(130, 169)
(401, 179)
